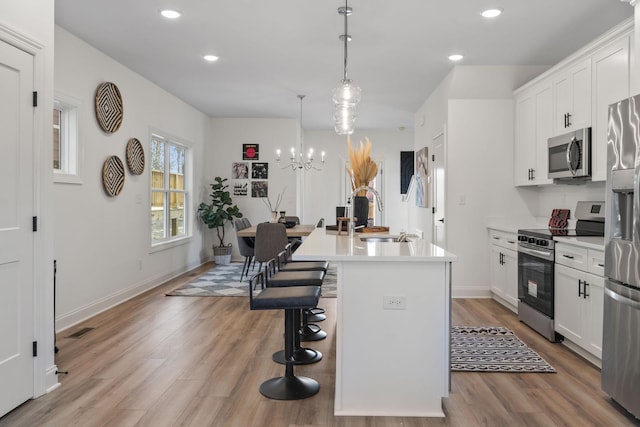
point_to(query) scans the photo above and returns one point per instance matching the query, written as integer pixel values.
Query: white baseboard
(582, 353)
(67, 320)
(51, 379)
(470, 292)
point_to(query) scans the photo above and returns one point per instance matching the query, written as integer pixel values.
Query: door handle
(567, 256)
(580, 293)
(568, 119)
(585, 294)
(441, 220)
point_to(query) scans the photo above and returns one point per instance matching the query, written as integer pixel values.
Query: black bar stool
(291, 299)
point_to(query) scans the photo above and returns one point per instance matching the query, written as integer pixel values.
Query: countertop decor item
(113, 175)
(363, 168)
(273, 209)
(135, 156)
(217, 214)
(109, 108)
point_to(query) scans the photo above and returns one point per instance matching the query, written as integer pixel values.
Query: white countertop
(590, 242)
(331, 247)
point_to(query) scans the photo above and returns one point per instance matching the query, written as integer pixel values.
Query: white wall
(102, 243)
(31, 22)
(325, 190)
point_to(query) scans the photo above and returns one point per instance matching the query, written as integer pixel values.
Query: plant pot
(222, 254)
(361, 210)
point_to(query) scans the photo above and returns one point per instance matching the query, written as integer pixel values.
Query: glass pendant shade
(347, 92)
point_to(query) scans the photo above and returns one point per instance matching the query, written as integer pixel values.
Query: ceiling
(271, 51)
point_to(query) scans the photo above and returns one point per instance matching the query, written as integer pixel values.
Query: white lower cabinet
(504, 269)
(579, 301)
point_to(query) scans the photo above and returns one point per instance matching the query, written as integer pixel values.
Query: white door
(16, 235)
(437, 179)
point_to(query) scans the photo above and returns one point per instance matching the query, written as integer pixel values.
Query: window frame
(72, 150)
(169, 241)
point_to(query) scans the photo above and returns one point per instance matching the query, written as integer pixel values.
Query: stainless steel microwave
(569, 155)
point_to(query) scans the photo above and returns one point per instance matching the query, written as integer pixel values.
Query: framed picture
(259, 170)
(422, 177)
(240, 188)
(240, 170)
(250, 152)
(259, 189)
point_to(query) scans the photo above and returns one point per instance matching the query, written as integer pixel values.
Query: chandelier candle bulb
(278, 155)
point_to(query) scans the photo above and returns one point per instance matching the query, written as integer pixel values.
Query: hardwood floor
(198, 361)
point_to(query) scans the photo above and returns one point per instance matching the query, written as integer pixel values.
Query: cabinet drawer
(503, 239)
(595, 260)
(572, 256)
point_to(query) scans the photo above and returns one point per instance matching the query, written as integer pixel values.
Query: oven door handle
(537, 253)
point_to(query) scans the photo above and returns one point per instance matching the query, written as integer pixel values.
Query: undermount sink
(393, 239)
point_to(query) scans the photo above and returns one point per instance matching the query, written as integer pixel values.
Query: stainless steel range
(536, 258)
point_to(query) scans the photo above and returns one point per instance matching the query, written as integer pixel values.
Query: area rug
(492, 349)
(224, 281)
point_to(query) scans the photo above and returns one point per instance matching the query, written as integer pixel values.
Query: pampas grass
(363, 168)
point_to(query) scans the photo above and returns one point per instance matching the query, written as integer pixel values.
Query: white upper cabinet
(534, 116)
(610, 84)
(572, 91)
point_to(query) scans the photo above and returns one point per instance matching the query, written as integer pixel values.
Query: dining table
(299, 230)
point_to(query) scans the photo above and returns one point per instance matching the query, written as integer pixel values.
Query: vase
(361, 210)
(274, 216)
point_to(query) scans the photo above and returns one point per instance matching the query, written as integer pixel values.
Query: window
(66, 148)
(169, 196)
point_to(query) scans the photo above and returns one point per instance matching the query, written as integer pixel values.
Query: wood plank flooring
(198, 361)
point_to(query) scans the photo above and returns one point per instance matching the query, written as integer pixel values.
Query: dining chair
(295, 241)
(245, 245)
(271, 239)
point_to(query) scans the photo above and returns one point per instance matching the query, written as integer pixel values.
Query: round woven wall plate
(109, 108)
(135, 156)
(113, 175)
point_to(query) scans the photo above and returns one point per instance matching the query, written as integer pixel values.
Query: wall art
(250, 152)
(135, 156)
(109, 108)
(259, 188)
(241, 188)
(113, 175)
(422, 177)
(240, 170)
(259, 170)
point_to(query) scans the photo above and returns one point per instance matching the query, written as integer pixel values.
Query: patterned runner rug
(224, 281)
(492, 349)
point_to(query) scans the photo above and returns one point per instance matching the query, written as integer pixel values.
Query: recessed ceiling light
(491, 13)
(455, 57)
(170, 14)
(210, 58)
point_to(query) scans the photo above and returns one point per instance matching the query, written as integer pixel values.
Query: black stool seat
(295, 278)
(305, 265)
(282, 298)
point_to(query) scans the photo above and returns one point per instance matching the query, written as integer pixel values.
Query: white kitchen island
(392, 326)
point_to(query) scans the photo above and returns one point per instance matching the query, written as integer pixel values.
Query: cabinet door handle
(568, 119)
(567, 256)
(533, 174)
(585, 294)
(496, 238)
(565, 120)
(580, 288)
(510, 241)
(601, 265)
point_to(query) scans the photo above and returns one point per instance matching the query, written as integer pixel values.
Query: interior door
(16, 235)
(438, 183)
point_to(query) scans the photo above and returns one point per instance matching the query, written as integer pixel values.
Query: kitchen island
(392, 326)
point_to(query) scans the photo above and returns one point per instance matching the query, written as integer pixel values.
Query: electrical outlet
(394, 302)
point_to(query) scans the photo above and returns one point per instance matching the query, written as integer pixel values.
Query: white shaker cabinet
(572, 98)
(504, 268)
(610, 84)
(534, 117)
(579, 297)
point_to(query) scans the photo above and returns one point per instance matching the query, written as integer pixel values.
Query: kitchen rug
(492, 349)
(224, 281)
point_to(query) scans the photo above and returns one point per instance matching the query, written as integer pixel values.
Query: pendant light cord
(346, 36)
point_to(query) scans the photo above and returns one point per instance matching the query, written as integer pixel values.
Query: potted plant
(216, 215)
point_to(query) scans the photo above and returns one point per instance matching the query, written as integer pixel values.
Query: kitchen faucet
(352, 224)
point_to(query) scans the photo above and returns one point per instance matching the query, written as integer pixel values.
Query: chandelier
(300, 162)
(347, 94)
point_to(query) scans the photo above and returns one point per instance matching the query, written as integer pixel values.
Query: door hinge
(35, 223)
(433, 210)
(35, 349)
(35, 99)
(433, 157)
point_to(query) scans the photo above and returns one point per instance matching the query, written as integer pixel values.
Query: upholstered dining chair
(245, 245)
(271, 239)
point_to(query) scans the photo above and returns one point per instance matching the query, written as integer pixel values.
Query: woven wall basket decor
(135, 156)
(113, 175)
(109, 108)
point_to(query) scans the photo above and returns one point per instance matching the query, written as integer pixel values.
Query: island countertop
(333, 247)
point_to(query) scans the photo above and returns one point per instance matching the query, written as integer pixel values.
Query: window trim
(74, 156)
(166, 243)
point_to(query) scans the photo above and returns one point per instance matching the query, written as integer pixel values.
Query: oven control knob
(532, 240)
(542, 242)
(523, 238)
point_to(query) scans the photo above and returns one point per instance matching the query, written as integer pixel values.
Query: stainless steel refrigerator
(621, 337)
